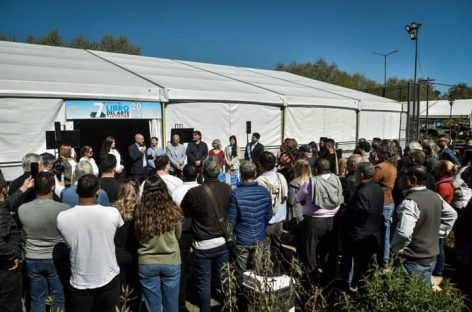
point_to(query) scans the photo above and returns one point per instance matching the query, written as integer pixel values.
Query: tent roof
(441, 108)
(35, 70)
(44, 71)
(185, 83)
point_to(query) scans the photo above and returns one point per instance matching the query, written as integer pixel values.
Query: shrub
(394, 290)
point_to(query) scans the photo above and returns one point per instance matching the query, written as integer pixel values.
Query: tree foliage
(396, 88)
(108, 42)
(460, 91)
(321, 70)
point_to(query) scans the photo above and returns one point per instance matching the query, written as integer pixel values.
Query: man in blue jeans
(46, 252)
(423, 216)
(210, 252)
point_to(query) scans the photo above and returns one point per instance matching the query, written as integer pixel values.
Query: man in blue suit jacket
(137, 153)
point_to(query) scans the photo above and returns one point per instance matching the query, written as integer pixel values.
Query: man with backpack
(276, 184)
(321, 198)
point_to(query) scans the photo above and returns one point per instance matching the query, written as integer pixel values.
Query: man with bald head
(137, 154)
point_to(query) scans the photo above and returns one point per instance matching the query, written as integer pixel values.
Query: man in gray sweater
(46, 252)
(423, 217)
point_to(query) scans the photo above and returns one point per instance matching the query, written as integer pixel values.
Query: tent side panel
(307, 124)
(212, 119)
(220, 120)
(385, 125)
(24, 123)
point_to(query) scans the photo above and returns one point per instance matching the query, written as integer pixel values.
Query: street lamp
(385, 66)
(451, 103)
(413, 30)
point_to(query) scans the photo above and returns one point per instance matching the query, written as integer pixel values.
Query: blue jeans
(423, 271)
(441, 259)
(204, 262)
(160, 284)
(44, 280)
(387, 214)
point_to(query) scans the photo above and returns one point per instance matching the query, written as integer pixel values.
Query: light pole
(385, 66)
(413, 31)
(451, 103)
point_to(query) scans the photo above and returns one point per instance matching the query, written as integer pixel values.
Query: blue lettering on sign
(117, 111)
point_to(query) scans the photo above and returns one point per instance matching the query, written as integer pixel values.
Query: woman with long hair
(126, 245)
(288, 155)
(86, 153)
(232, 161)
(386, 175)
(302, 173)
(158, 228)
(67, 157)
(217, 153)
(109, 147)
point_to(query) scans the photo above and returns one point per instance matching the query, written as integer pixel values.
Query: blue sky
(262, 33)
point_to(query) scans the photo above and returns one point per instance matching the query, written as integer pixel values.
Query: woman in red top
(445, 173)
(217, 152)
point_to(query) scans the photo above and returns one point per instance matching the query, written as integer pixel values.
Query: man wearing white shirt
(276, 184)
(190, 174)
(423, 217)
(162, 166)
(89, 230)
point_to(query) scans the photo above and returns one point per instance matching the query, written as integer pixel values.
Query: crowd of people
(79, 233)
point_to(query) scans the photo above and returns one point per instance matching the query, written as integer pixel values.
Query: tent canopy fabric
(442, 109)
(44, 71)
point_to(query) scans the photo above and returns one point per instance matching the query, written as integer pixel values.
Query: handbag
(225, 226)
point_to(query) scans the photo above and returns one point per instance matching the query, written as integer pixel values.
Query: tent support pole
(163, 124)
(283, 123)
(358, 119)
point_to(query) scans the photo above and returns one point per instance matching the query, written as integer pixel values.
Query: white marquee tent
(441, 109)
(218, 100)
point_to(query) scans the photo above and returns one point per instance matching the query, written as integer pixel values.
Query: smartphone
(34, 169)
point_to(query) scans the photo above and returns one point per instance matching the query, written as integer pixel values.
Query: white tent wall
(24, 123)
(385, 125)
(307, 124)
(220, 120)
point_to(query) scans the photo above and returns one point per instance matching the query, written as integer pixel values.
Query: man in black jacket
(254, 148)
(197, 152)
(210, 252)
(10, 247)
(362, 223)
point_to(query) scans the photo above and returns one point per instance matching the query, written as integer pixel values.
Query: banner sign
(97, 109)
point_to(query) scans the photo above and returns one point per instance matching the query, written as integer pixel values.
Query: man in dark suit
(137, 153)
(362, 224)
(254, 148)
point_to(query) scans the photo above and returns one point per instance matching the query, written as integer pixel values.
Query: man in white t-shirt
(190, 173)
(162, 163)
(89, 231)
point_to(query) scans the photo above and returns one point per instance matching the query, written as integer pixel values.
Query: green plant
(126, 297)
(394, 290)
(230, 289)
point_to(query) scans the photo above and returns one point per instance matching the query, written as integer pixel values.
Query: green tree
(7, 38)
(119, 44)
(53, 38)
(396, 89)
(110, 43)
(323, 71)
(80, 42)
(460, 91)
